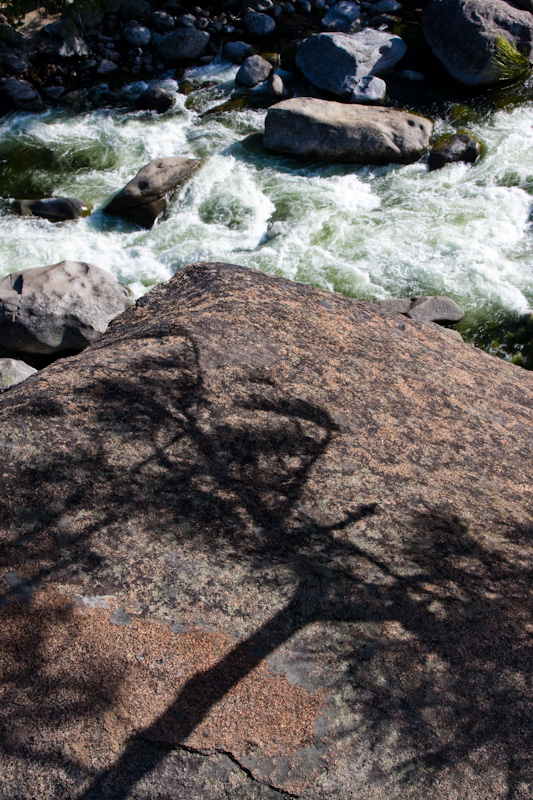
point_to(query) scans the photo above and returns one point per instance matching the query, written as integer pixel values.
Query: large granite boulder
(145, 197)
(64, 306)
(182, 44)
(19, 95)
(462, 34)
(264, 541)
(335, 132)
(338, 62)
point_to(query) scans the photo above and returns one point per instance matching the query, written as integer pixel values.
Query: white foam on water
(366, 231)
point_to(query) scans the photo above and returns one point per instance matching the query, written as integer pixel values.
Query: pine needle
(510, 64)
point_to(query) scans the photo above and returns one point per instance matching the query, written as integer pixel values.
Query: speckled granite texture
(264, 541)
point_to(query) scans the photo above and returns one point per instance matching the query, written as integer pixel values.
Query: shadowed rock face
(261, 537)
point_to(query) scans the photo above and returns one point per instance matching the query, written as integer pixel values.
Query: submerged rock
(13, 371)
(145, 197)
(462, 34)
(338, 61)
(54, 209)
(354, 134)
(64, 306)
(264, 525)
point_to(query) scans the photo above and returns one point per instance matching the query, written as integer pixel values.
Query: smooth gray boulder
(462, 33)
(427, 308)
(13, 371)
(145, 197)
(54, 209)
(64, 306)
(253, 71)
(182, 44)
(339, 133)
(337, 62)
(369, 90)
(343, 16)
(453, 148)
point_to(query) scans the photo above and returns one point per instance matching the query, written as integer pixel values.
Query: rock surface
(254, 70)
(145, 197)
(13, 371)
(64, 306)
(338, 61)
(262, 538)
(54, 209)
(462, 33)
(183, 44)
(428, 308)
(335, 132)
(453, 148)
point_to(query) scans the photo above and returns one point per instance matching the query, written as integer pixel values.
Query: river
(367, 232)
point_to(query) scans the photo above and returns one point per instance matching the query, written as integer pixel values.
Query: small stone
(369, 90)
(12, 372)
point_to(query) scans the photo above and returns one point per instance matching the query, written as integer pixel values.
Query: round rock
(255, 70)
(259, 24)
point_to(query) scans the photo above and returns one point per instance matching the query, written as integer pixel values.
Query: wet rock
(431, 308)
(156, 98)
(259, 24)
(462, 33)
(343, 16)
(19, 95)
(13, 371)
(145, 197)
(238, 51)
(54, 209)
(338, 61)
(317, 517)
(254, 70)
(277, 87)
(339, 133)
(453, 148)
(182, 44)
(65, 306)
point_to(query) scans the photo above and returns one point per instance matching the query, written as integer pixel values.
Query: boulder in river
(453, 148)
(338, 61)
(54, 209)
(145, 197)
(265, 541)
(462, 34)
(342, 16)
(13, 371)
(156, 98)
(353, 134)
(254, 70)
(61, 307)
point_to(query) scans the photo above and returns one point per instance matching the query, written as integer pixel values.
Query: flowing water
(367, 232)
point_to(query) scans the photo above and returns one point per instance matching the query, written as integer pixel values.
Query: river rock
(343, 16)
(13, 371)
(428, 308)
(338, 61)
(145, 197)
(156, 98)
(265, 541)
(462, 33)
(238, 51)
(135, 9)
(19, 95)
(354, 134)
(369, 90)
(259, 24)
(137, 35)
(182, 44)
(65, 306)
(54, 209)
(452, 148)
(254, 70)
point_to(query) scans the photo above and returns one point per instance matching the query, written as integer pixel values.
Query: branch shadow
(438, 651)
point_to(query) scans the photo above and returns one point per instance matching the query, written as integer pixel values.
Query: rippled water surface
(369, 232)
